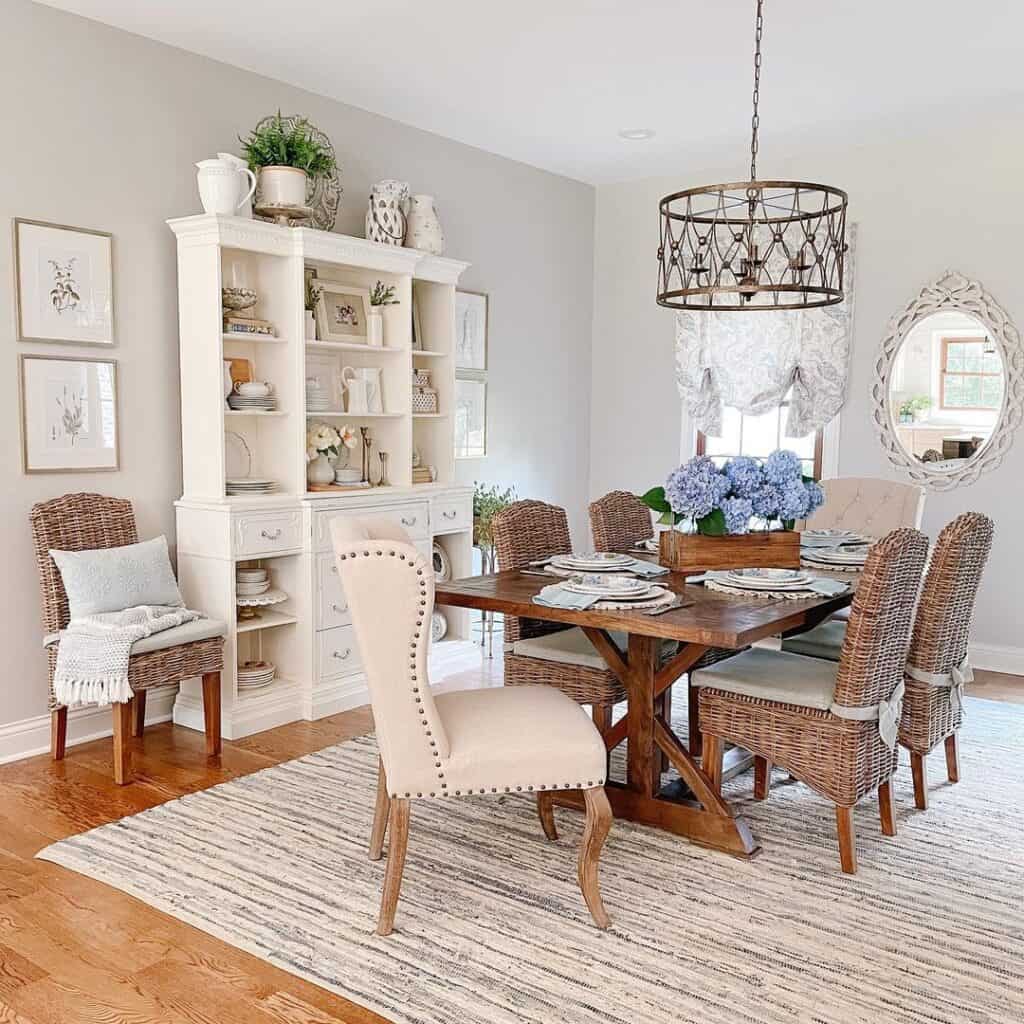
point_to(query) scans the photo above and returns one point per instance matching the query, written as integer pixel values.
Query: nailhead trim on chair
(419, 700)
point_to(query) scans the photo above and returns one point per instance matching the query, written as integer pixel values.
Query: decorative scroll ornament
(952, 292)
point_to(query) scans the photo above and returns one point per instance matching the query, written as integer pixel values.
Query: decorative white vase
(320, 471)
(310, 321)
(220, 186)
(423, 226)
(282, 186)
(375, 328)
(385, 212)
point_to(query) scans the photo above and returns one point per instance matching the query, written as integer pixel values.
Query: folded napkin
(830, 588)
(556, 596)
(646, 569)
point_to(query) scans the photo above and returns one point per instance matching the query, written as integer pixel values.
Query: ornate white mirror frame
(952, 292)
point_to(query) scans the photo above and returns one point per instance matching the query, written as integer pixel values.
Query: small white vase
(375, 329)
(320, 471)
(423, 226)
(310, 321)
(282, 186)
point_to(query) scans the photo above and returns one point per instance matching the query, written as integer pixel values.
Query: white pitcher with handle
(364, 389)
(220, 186)
(247, 182)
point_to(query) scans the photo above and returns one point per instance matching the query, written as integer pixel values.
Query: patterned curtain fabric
(751, 361)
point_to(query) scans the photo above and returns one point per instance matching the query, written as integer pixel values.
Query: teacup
(253, 388)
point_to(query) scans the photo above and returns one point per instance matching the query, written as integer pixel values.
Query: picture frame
(341, 311)
(470, 418)
(69, 414)
(417, 330)
(471, 325)
(63, 283)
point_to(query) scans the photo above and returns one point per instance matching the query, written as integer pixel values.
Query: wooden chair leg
(885, 808)
(919, 770)
(847, 839)
(712, 760)
(664, 708)
(545, 811)
(123, 742)
(602, 716)
(380, 814)
(599, 822)
(952, 759)
(139, 718)
(211, 712)
(762, 777)
(58, 733)
(398, 824)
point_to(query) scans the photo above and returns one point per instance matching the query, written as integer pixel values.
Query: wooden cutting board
(240, 370)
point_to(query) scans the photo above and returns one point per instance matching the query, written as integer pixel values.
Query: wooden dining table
(707, 619)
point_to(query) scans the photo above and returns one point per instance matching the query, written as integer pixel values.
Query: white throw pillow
(112, 579)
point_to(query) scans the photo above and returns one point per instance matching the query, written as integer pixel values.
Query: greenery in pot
(275, 144)
(381, 296)
(487, 503)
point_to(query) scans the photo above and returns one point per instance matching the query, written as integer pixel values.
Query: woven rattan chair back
(618, 521)
(524, 532)
(878, 634)
(75, 522)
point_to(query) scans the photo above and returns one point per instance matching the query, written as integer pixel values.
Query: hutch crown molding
(309, 636)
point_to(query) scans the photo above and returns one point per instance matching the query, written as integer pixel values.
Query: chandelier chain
(755, 120)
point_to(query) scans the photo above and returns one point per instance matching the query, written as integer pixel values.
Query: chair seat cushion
(517, 738)
(773, 675)
(824, 641)
(189, 633)
(573, 647)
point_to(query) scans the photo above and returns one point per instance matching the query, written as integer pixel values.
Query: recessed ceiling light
(636, 134)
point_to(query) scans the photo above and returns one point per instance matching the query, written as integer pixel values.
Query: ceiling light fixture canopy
(753, 244)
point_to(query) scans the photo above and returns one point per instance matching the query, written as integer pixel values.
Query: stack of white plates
(254, 675)
(767, 579)
(318, 399)
(265, 403)
(593, 561)
(832, 538)
(612, 588)
(849, 555)
(250, 582)
(249, 485)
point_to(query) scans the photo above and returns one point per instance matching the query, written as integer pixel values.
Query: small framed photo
(470, 419)
(470, 331)
(341, 311)
(68, 414)
(64, 283)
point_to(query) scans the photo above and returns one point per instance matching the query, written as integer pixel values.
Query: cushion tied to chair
(888, 712)
(954, 681)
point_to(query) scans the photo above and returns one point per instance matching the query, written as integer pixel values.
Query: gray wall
(923, 203)
(108, 126)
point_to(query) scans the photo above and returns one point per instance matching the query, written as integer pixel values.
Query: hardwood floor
(73, 951)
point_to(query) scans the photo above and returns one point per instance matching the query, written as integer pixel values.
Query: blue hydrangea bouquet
(744, 498)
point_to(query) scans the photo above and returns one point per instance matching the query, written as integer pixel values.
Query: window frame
(700, 448)
(944, 373)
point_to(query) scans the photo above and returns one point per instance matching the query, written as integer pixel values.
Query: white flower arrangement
(323, 439)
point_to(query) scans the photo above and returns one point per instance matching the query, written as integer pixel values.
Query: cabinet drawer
(266, 533)
(448, 514)
(413, 517)
(331, 605)
(337, 652)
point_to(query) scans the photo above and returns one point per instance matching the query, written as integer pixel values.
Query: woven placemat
(830, 568)
(666, 597)
(777, 595)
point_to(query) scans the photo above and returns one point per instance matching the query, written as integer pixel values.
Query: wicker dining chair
(937, 666)
(619, 521)
(822, 721)
(82, 522)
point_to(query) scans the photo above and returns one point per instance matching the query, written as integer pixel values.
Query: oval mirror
(949, 388)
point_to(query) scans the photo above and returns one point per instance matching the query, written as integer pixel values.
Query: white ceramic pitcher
(363, 387)
(245, 178)
(220, 186)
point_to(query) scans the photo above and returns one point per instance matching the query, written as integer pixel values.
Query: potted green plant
(487, 503)
(919, 405)
(381, 296)
(284, 156)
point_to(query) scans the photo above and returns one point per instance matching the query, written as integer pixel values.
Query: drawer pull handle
(270, 534)
(340, 608)
(408, 520)
(342, 655)
(449, 514)
(334, 569)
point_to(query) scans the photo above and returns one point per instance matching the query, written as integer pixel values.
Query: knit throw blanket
(92, 658)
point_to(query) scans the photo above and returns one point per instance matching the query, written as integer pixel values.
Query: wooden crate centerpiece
(694, 552)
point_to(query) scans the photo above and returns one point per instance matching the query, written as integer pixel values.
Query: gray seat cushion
(189, 633)
(572, 647)
(824, 641)
(773, 675)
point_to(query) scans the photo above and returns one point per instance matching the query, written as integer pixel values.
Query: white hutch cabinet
(309, 637)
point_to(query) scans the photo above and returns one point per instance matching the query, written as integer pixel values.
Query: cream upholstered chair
(530, 739)
(869, 506)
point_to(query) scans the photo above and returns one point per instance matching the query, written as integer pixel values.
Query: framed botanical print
(64, 283)
(68, 414)
(470, 331)
(470, 418)
(341, 311)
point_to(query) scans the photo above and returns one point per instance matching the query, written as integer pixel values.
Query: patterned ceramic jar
(423, 226)
(385, 213)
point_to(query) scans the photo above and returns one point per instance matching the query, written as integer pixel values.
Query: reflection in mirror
(946, 390)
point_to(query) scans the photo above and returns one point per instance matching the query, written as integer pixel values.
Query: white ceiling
(551, 82)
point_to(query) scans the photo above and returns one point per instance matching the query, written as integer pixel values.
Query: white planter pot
(320, 471)
(375, 329)
(423, 226)
(282, 186)
(310, 321)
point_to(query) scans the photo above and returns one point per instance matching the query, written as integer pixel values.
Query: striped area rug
(491, 928)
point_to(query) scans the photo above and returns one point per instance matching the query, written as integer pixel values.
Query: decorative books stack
(234, 324)
(422, 475)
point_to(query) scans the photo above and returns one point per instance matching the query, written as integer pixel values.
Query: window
(972, 374)
(470, 375)
(760, 436)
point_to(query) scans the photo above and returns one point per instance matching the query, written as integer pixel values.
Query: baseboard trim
(998, 658)
(31, 736)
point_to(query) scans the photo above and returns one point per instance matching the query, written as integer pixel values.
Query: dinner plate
(796, 582)
(606, 585)
(649, 593)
